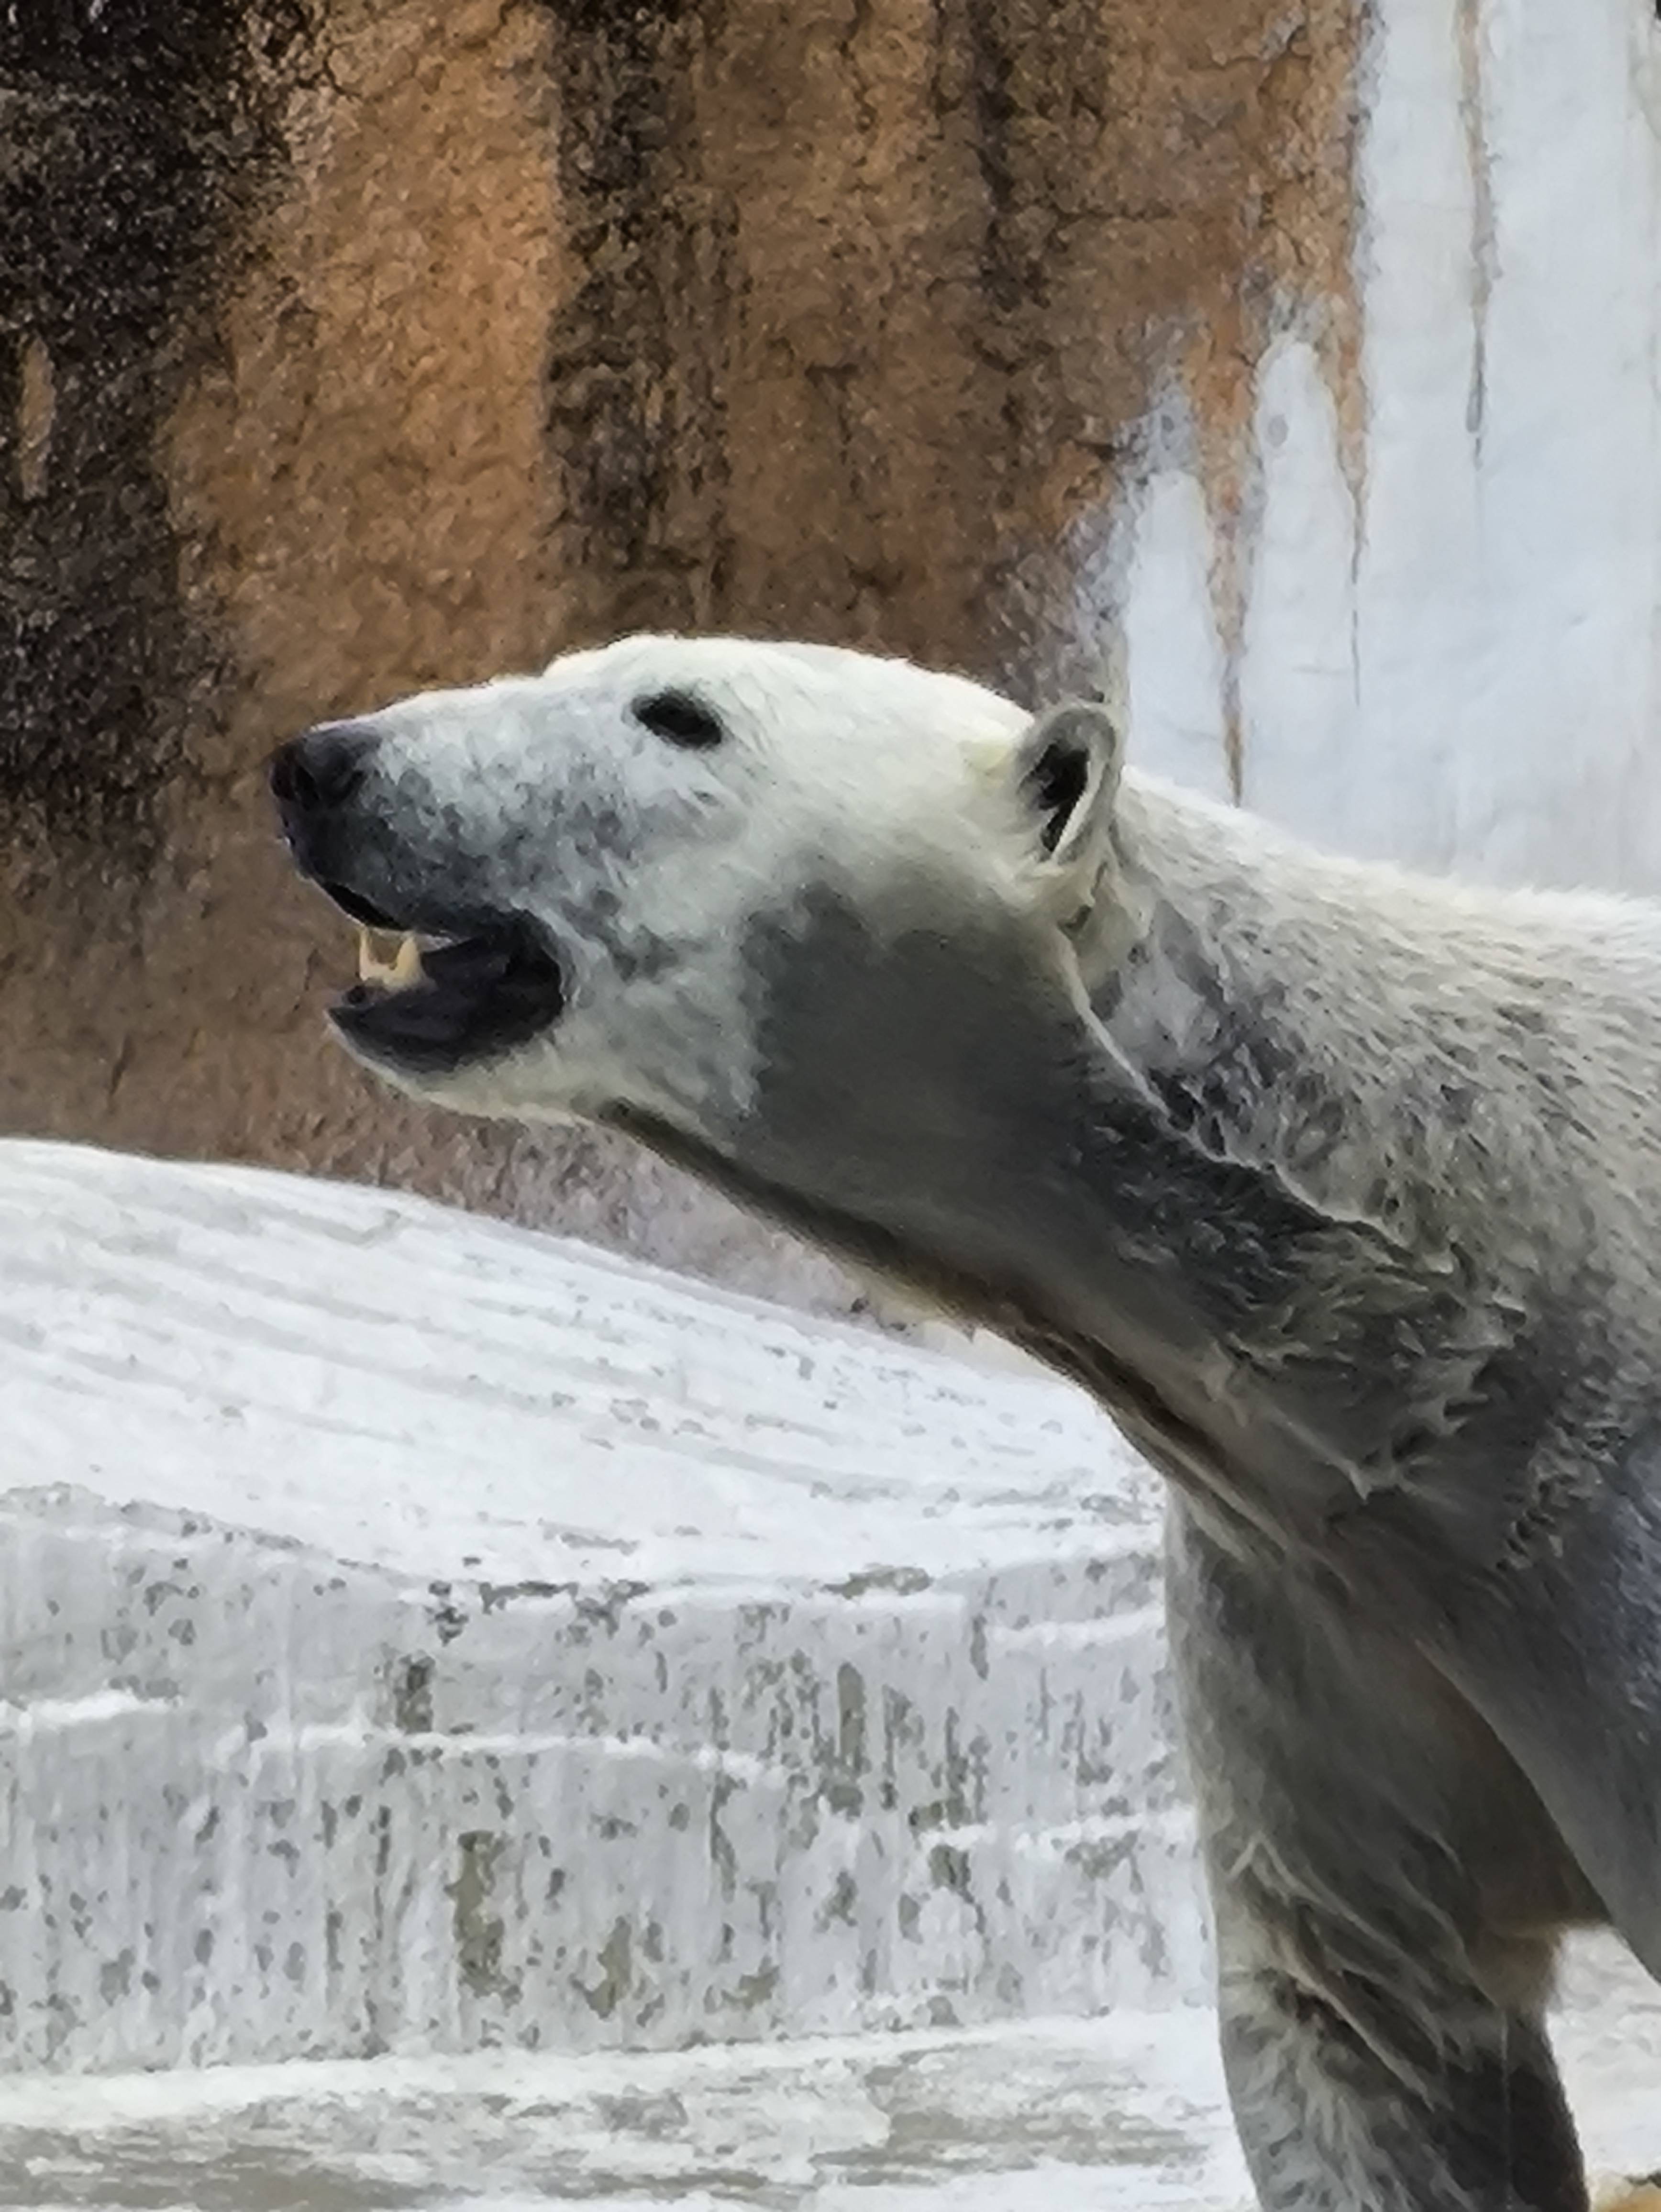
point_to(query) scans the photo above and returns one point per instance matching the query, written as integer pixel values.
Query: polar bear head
(596, 874)
(748, 899)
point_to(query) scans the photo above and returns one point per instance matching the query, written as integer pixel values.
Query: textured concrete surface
(421, 1634)
(1117, 2114)
(434, 1652)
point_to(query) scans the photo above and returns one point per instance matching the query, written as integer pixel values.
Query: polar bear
(1341, 1190)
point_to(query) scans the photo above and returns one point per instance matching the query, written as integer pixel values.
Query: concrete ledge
(1116, 2115)
(421, 1635)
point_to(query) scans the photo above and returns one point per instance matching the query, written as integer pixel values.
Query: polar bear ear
(1069, 760)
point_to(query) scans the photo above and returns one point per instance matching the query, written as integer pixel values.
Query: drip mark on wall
(1482, 251)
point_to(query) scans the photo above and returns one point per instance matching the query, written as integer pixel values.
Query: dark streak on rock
(135, 137)
(995, 118)
(635, 404)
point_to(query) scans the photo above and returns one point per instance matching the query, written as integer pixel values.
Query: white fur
(700, 838)
(1342, 1188)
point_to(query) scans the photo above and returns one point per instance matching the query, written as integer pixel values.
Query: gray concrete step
(1123, 2114)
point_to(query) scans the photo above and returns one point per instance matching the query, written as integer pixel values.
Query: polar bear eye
(680, 719)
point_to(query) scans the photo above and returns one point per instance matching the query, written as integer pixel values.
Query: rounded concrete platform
(424, 1635)
(451, 1673)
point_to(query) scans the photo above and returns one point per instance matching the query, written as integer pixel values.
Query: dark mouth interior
(358, 908)
(487, 984)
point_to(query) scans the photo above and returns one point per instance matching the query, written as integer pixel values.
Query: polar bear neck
(1254, 1182)
(1333, 1023)
(1366, 1162)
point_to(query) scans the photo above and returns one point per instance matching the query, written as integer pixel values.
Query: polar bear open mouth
(436, 992)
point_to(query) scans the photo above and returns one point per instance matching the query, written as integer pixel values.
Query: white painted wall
(1452, 660)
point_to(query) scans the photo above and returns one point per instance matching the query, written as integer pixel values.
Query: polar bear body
(1341, 1190)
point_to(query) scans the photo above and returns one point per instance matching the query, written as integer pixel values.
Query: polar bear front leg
(1331, 2122)
(1387, 1893)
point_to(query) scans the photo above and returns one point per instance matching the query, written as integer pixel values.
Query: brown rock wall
(352, 347)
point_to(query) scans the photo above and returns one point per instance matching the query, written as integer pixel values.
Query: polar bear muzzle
(440, 989)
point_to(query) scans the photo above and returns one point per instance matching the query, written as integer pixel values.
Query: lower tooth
(389, 959)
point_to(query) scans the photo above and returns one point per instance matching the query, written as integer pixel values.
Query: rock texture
(346, 347)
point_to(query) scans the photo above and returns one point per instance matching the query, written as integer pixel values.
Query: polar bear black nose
(321, 770)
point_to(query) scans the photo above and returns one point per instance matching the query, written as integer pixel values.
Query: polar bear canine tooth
(388, 957)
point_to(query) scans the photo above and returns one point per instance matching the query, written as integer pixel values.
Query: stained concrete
(450, 1666)
(1121, 2114)
(421, 1635)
